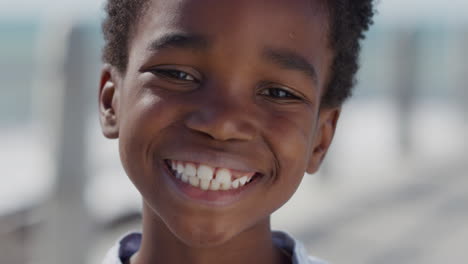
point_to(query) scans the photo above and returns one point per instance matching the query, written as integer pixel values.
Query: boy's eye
(175, 74)
(279, 93)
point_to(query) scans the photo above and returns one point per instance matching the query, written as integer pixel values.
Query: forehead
(295, 18)
(240, 25)
(217, 16)
(218, 8)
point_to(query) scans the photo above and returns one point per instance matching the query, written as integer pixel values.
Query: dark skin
(235, 82)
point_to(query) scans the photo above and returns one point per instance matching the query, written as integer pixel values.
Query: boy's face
(228, 84)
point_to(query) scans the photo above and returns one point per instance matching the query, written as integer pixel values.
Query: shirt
(129, 245)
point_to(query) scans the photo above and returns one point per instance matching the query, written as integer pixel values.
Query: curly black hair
(349, 20)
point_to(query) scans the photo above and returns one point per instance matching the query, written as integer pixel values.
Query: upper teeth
(206, 177)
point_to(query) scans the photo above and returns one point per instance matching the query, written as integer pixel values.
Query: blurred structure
(66, 233)
(395, 189)
(405, 89)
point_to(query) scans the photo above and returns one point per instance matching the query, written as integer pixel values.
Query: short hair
(349, 20)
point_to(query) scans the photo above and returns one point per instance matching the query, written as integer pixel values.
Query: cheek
(140, 119)
(291, 139)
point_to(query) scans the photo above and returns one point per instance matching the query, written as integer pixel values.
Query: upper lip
(216, 160)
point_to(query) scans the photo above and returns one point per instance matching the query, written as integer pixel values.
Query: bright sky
(24, 9)
(390, 11)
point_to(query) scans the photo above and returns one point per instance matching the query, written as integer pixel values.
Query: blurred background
(394, 187)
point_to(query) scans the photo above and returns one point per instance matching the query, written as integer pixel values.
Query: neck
(160, 245)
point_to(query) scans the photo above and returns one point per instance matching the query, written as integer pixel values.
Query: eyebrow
(290, 60)
(193, 42)
(286, 59)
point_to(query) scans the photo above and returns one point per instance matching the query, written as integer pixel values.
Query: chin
(202, 236)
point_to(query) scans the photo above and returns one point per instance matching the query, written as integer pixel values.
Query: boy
(220, 107)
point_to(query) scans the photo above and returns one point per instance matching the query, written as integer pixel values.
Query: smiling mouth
(208, 178)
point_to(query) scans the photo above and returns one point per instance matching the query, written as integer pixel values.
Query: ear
(108, 102)
(328, 119)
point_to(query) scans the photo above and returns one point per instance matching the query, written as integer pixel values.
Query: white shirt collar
(130, 243)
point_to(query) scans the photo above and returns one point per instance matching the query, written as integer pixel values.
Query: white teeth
(243, 180)
(190, 169)
(184, 177)
(204, 184)
(180, 167)
(235, 184)
(203, 177)
(215, 185)
(194, 181)
(223, 176)
(225, 186)
(205, 172)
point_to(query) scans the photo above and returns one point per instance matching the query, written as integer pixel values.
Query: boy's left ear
(328, 119)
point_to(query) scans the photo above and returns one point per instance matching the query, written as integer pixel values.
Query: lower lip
(208, 197)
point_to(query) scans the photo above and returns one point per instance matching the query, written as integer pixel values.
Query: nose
(223, 118)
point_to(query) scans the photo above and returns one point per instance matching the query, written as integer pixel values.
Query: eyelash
(281, 94)
(273, 92)
(175, 75)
